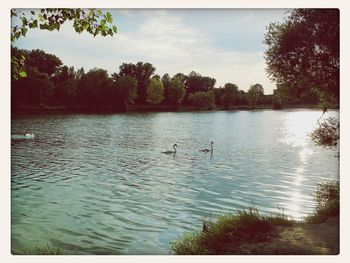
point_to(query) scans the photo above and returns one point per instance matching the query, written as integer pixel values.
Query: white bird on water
(170, 152)
(207, 150)
(22, 136)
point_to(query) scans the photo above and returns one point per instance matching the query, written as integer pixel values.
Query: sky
(225, 44)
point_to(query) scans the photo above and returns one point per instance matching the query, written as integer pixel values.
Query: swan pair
(203, 150)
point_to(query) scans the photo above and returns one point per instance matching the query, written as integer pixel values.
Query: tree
(242, 98)
(94, 21)
(176, 91)
(93, 89)
(142, 72)
(230, 95)
(65, 88)
(196, 82)
(124, 91)
(202, 99)
(43, 62)
(182, 77)
(155, 91)
(166, 83)
(303, 53)
(34, 90)
(255, 93)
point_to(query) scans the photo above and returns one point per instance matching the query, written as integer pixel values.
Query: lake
(99, 184)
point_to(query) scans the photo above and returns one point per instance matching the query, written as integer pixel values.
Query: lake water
(99, 184)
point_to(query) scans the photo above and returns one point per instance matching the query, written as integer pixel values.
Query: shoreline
(161, 108)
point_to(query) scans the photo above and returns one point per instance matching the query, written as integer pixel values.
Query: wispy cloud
(161, 38)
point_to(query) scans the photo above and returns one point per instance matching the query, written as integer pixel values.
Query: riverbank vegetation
(249, 232)
(44, 250)
(305, 70)
(51, 85)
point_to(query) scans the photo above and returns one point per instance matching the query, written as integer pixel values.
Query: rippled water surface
(99, 184)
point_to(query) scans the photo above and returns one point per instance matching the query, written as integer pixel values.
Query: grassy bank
(43, 250)
(248, 232)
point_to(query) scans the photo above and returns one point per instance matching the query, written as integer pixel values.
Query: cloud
(161, 38)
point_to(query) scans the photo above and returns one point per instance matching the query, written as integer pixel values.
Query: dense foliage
(327, 134)
(176, 91)
(303, 55)
(49, 83)
(202, 99)
(93, 21)
(155, 91)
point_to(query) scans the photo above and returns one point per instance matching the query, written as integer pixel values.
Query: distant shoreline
(159, 108)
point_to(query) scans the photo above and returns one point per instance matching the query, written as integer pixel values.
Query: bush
(327, 134)
(327, 202)
(202, 100)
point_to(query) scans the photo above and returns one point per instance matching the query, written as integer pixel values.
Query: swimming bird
(207, 150)
(170, 152)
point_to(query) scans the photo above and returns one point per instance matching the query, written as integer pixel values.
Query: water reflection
(100, 184)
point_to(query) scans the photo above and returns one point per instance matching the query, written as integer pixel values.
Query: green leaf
(24, 21)
(114, 29)
(24, 31)
(109, 18)
(103, 25)
(22, 74)
(35, 23)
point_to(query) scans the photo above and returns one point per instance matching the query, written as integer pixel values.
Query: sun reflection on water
(296, 132)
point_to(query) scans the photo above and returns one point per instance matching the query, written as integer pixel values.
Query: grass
(44, 250)
(230, 232)
(327, 202)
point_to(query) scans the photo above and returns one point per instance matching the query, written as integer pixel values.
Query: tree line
(50, 83)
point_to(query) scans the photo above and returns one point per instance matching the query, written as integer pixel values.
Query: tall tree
(93, 89)
(303, 53)
(195, 82)
(142, 72)
(34, 90)
(65, 88)
(124, 91)
(155, 91)
(255, 93)
(176, 91)
(43, 62)
(166, 83)
(230, 95)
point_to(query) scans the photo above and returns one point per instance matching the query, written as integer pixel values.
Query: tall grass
(327, 202)
(229, 230)
(44, 250)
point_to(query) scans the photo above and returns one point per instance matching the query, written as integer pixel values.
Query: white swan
(207, 150)
(22, 136)
(170, 152)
